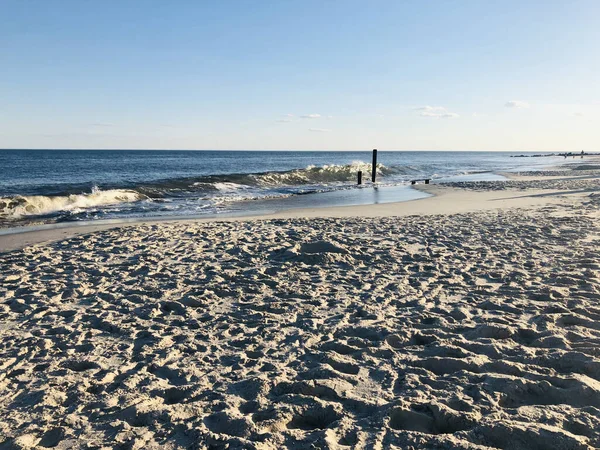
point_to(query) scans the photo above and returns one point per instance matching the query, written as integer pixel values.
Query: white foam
(319, 174)
(228, 187)
(35, 205)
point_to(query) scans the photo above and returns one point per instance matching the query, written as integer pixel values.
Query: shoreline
(444, 199)
(112, 203)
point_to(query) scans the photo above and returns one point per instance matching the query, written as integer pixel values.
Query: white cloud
(292, 117)
(516, 104)
(431, 109)
(436, 112)
(319, 130)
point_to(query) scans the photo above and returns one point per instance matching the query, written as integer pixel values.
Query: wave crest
(39, 205)
(318, 174)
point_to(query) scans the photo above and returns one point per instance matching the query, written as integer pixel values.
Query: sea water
(38, 186)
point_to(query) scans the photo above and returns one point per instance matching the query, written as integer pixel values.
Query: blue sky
(404, 75)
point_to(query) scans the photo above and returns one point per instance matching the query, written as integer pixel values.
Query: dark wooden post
(374, 167)
(360, 177)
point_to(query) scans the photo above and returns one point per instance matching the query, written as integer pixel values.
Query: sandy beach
(469, 319)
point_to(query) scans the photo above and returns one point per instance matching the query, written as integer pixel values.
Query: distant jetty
(566, 155)
(533, 156)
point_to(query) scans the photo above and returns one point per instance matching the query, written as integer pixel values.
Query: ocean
(47, 186)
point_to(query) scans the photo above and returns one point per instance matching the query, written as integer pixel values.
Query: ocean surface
(45, 186)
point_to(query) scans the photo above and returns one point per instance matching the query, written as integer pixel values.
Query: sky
(300, 75)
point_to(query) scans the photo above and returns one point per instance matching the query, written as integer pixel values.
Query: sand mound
(319, 252)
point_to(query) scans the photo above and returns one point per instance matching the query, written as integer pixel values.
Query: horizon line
(276, 150)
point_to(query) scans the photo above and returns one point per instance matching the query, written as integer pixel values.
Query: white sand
(472, 330)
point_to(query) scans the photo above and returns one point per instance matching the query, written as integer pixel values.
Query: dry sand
(472, 330)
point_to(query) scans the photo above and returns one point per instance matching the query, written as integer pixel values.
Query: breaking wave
(318, 174)
(326, 175)
(38, 205)
(329, 173)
